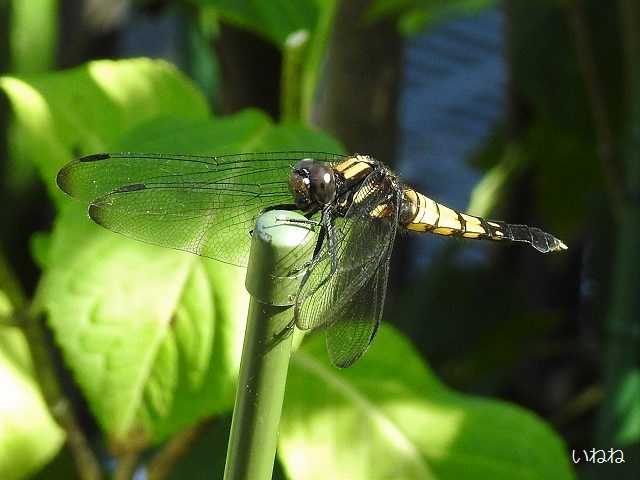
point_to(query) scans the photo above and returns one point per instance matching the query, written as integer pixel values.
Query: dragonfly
(208, 205)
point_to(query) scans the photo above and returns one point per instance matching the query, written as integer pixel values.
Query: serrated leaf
(389, 417)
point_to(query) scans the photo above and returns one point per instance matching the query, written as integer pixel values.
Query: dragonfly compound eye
(300, 184)
(323, 183)
(312, 184)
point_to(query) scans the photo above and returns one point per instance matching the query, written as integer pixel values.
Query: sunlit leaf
(29, 437)
(153, 336)
(628, 402)
(58, 116)
(490, 190)
(149, 333)
(389, 417)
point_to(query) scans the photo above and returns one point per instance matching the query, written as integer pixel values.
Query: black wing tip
(346, 362)
(95, 212)
(61, 178)
(95, 157)
(343, 364)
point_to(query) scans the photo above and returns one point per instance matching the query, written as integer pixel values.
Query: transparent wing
(205, 205)
(358, 319)
(363, 248)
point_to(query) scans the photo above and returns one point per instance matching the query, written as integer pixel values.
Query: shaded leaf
(275, 19)
(416, 15)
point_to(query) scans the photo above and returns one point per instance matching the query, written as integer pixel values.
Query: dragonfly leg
(281, 335)
(331, 239)
(306, 221)
(291, 206)
(316, 251)
(327, 230)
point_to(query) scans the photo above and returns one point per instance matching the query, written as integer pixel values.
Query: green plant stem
(605, 136)
(127, 464)
(162, 464)
(276, 247)
(619, 421)
(295, 49)
(317, 49)
(58, 404)
(10, 285)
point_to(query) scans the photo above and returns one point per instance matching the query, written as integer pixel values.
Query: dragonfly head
(312, 184)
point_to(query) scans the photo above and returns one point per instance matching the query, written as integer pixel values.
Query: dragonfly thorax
(313, 184)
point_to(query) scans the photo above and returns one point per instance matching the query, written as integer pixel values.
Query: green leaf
(6, 309)
(138, 325)
(39, 245)
(153, 336)
(627, 402)
(34, 35)
(489, 191)
(29, 437)
(274, 19)
(416, 15)
(58, 116)
(389, 417)
(277, 20)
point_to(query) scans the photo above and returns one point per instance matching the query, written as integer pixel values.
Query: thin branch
(127, 464)
(606, 139)
(161, 465)
(630, 20)
(58, 404)
(10, 285)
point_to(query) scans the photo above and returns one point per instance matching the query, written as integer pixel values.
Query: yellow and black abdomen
(421, 214)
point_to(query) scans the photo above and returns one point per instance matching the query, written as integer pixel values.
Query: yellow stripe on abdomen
(421, 214)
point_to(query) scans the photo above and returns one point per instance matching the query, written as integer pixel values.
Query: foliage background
(118, 357)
